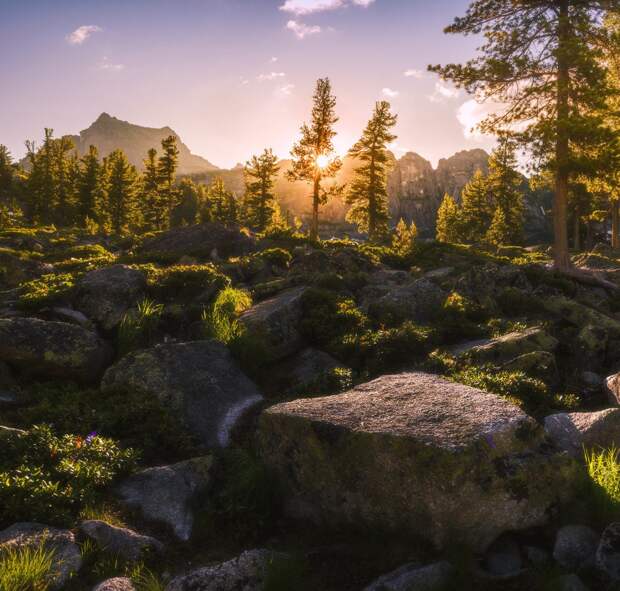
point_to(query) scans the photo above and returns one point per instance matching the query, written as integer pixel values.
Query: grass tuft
(26, 568)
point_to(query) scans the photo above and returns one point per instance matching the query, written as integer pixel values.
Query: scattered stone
(413, 577)
(575, 546)
(503, 558)
(576, 430)
(510, 346)
(379, 454)
(591, 380)
(198, 381)
(53, 349)
(275, 323)
(608, 552)
(201, 241)
(67, 559)
(420, 300)
(164, 494)
(246, 572)
(104, 295)
(71, 316)
(120, 541)
(612, 387)
(115, 584)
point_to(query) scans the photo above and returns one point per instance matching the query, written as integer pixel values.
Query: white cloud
(471, 113)
(287, 89)
(304, 7)
(82, 33)
(413, 73)
(302, 30)
(390, 93)
(273, 60)
(270, 76)
(443, 92)
(106, 64)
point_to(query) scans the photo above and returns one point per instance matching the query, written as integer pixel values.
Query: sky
(233, 77)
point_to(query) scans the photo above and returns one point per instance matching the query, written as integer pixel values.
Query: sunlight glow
(322, 161)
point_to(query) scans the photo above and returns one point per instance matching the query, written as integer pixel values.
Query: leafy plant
(26, 568)
(137, 328)
(220, 320)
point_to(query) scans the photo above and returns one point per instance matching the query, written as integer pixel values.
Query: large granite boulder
(575, 430)
(612, 388)
(275, 323)
(608, 552)
(575, 547)
(104, 295)
(246, 572)
(66, 560)
(509, 346)
(413, 577)
(204, 241)
(115, 584)
(415, 453)
(580, 315)
(120, 541)
(53, 349)
(198, 381)
(164, 494)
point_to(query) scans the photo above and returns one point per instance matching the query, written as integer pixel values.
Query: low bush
(182, 281)
(47, 290)
(276, 256)
(50, 478)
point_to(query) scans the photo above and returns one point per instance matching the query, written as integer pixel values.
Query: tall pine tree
(166, 169)
(313, 159)
(7, 186)
(448, 220)
(542, 60)
(367, 194)
(122, 185)
(476, 209)
(89, 185)
(260, 199)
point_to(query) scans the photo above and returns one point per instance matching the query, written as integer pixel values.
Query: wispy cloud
(304, 7)
(287, 89)
(270, 76)
(273, 60)
(81, 34)
(412, 73)
(443, 92)
(301, 30)
(390, 93)
(106, 64)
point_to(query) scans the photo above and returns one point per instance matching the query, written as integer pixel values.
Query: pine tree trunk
(615, 223)
(314, 227)
(576, 235)
(560, 251)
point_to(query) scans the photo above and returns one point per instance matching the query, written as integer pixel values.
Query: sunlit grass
(220, 319)
(26, 568)
(604, 471)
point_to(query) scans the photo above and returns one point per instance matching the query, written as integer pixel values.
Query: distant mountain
(108, 133)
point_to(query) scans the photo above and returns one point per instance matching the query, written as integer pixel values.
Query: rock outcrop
(53, 349)
(164, 494)
(416, 453)
(120, 541)
(198, 381)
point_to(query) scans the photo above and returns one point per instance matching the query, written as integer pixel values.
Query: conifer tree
(7, 186)
(260, 200)
(500, 229)
(542, 60)
(313, 160)
(221, 205)
(448, 220)
(166, 169)
(64, 171)
(476, 209)
(367, 194)
(404, 239)
(89, 185)
(152, 202)
(41, 185)
(122, 187)
(186, 212)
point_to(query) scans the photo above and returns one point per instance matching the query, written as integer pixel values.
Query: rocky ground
(205, 410)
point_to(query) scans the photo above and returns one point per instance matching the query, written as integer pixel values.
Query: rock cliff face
(108, 133)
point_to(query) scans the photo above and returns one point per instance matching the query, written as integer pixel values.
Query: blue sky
(232, 76)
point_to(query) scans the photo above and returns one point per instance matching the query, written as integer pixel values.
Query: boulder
(275, 323)
(53, 349)
(67, 558)
(115, 584)
(612, 388)
(415, 453)
(104, 295)
(246, 572)
(575, 430)
(503, 558)
(198, 381)
(203, 241)
(575, 547)
(510, 346)
(580, 315)
(608, 552)
(120, 541)
(164, 494)
(413, 577)
(539, 363)
(568, 583)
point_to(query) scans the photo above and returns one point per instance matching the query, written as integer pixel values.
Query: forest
(203, 388)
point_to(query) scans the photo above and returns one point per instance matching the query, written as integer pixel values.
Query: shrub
(49, 479)
(47, 290)
(138, 327)
(276, 256)
(26, 568)
(460, 317)
(178, 281)
(220, 320)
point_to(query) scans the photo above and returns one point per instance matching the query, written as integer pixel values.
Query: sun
(322, 161)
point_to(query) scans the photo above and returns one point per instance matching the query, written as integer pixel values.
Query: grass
(220, 319)
(26, 568)
(138, 327)
(604, 478)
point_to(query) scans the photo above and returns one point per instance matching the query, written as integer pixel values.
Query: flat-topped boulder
(418, 454)
(199, 382)
(53, 349)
